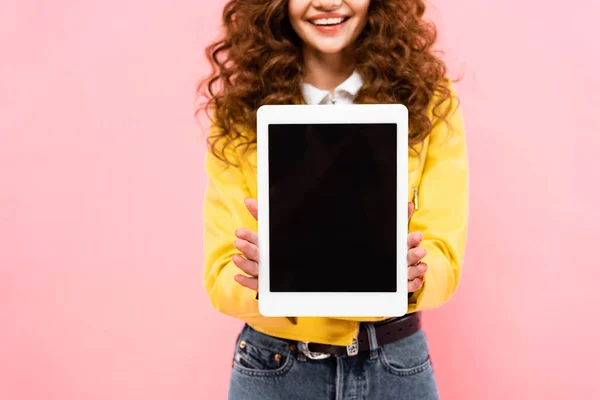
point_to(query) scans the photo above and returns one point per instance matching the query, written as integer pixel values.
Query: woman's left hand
(416, 268)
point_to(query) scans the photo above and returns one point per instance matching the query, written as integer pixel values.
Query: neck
(327, 71)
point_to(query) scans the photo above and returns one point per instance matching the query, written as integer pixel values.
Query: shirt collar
(350, 86)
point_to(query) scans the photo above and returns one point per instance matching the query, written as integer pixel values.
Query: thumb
(252, 206)
(411, 209)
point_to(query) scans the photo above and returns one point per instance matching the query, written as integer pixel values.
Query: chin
(330, 49)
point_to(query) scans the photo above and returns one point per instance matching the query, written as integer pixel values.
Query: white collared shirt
(344, 93)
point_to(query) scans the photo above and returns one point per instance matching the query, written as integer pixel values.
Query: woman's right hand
(247, 244)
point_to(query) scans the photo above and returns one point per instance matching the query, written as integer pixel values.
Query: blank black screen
(332, 206)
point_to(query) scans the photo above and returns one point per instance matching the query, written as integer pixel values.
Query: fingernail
(421, 236)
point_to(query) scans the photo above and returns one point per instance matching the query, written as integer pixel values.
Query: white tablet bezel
(347, 304)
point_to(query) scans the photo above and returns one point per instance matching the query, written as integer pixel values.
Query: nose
(327, 4)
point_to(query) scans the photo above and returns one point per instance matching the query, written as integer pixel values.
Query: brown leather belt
(386, 332)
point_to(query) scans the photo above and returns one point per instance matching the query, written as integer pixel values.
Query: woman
(319, 52)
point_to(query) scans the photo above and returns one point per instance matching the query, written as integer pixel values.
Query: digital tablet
(332, 210)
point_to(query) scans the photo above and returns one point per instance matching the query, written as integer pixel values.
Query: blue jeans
(269, 368)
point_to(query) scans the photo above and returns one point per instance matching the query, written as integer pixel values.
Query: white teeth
(328, 21)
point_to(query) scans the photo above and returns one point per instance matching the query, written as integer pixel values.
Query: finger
(250, 283)
(415, 255)
(411, 209)
(249, 250)
(249, 267)
(414, 239)
(417, 271)
(415, 285)
(247, 235)
(252, 206)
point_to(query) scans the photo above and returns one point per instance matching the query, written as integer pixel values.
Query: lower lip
(330, 29)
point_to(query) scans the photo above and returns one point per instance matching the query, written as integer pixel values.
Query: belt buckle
(352, 350)
(311, 354)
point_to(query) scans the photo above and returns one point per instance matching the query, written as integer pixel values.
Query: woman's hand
(416, 268)
(247, 244)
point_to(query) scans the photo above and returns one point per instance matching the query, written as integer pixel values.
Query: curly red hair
(258, 61)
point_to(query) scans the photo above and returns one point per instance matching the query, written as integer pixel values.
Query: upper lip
(327, 15)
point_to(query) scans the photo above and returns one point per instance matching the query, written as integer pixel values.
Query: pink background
(101, 185)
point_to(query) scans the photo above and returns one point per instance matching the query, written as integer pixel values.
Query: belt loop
(372, 340)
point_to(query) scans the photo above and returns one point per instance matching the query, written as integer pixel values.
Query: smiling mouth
(329, 21)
